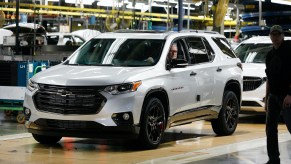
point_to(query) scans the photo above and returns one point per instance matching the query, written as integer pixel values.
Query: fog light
(27, 111)
(125, 116)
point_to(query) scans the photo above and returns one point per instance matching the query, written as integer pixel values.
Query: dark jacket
(278, 69)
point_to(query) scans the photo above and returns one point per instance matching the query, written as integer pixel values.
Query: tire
(20, 118)
(152, 125)
(46, 139)
(227, 120)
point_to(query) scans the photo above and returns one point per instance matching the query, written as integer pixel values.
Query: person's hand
(287, 102)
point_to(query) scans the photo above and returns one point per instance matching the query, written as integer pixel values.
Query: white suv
(122, 84)
(62, 39)
(252, 53)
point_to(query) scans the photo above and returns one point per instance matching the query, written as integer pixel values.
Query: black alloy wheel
(152, 123)
(227, 120)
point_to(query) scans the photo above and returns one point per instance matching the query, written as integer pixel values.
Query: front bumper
(82, 129)
(254, 100)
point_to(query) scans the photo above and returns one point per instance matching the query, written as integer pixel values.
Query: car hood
(87, 75)
(254, 69)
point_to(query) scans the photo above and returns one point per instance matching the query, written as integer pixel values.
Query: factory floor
(191, 143)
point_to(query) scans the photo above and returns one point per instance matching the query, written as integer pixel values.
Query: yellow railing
(75, 11)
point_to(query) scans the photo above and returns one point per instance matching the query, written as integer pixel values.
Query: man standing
(278, 91)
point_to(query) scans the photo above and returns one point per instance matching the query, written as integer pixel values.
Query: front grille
(252, 83)
(69, 99)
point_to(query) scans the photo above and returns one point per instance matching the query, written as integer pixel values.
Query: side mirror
(176, 63)
(179, 63)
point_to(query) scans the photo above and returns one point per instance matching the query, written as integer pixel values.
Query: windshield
(119, 52)
(253, 53)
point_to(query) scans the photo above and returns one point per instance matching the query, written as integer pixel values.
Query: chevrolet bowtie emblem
(63, 92)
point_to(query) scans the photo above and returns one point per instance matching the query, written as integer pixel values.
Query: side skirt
(191, 115)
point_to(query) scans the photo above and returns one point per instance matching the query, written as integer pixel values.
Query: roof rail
(200, 31)
(137, 31)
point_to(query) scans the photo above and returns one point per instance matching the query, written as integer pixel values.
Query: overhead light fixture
(111, 3)
(84, 2)
(186, 7)
(283, 2)
(138, 6)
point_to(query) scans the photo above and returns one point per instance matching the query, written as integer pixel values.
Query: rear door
(202, 66)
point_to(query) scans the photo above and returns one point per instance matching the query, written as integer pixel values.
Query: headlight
(122, 88)
(32, 85)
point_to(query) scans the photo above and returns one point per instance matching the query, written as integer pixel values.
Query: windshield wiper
(79, 64)
(102, 64)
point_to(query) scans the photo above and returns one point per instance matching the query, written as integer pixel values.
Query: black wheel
(227, 120)
(46, 139)
(152, 124)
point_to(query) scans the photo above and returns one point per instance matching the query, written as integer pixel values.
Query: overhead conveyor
(102, 13)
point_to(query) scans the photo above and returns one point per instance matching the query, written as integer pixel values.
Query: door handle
(218, 69)
(193, 73)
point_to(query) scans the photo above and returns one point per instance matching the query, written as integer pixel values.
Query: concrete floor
(192, 143)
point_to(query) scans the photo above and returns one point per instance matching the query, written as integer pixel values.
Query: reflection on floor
(9, 125)
(248, 152)
(192, 143)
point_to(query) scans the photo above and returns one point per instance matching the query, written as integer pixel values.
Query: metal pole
(180, 15)
(188, 21)
(133, 15)
(168, 15)
(260, 13)
(59, 18)
(17, 28)
(34, 30)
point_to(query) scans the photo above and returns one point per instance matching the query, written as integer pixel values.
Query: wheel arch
(234, 85)
(162, 95)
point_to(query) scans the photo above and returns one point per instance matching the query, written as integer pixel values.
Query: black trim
(82, 129)
(191, 115)
(289, 92)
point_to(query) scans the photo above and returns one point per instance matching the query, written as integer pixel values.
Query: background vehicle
(252, 53)
(87, 34)
(61, 39)
(122, 85)
(230, 36)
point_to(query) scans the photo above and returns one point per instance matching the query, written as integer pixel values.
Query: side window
(68, 40)
(52, 40)
(78, 40)
(177, 50)
(209, 49)
(225, 47)
(181, 51)
(197, 50)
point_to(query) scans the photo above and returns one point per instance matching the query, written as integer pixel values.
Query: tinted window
(93, 53)
(253, 53)
(209, 49)
(197, 50)
(78, 40)
(225, 47)
(68, 40)
(119, 52)
(52, 40)
(138, 52)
